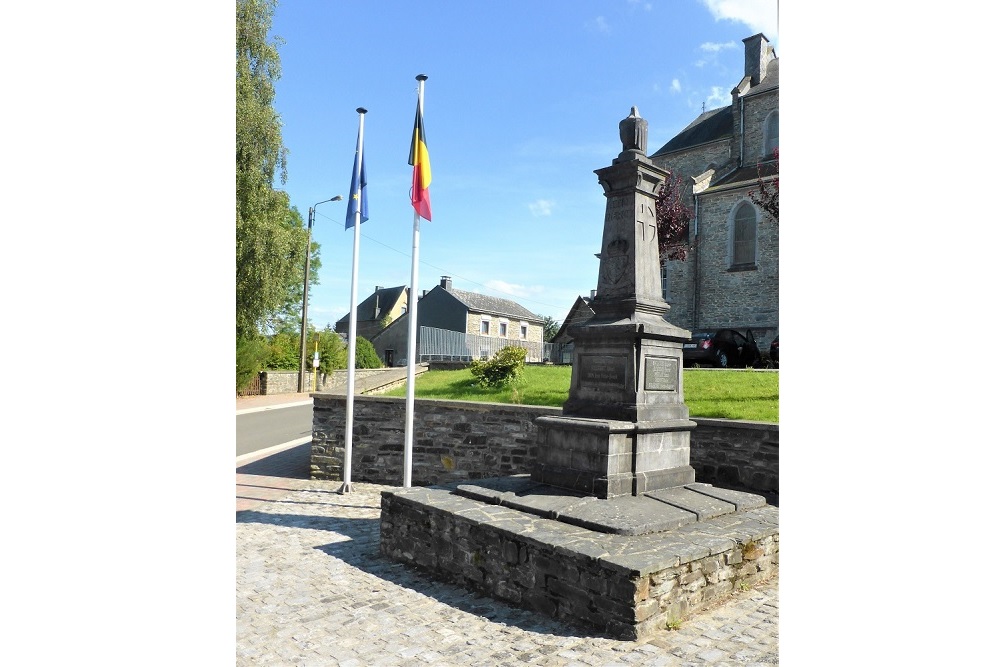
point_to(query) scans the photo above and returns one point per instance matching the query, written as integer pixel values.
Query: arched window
(744, 236)
(770, 134)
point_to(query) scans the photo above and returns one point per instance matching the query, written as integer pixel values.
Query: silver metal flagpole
(411, 341)
(353, 334)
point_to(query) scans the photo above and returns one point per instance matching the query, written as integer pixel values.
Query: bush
(502, 370)
(250, 356)
(283, 352)
(365, 355)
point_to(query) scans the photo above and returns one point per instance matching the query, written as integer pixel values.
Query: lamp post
(305, 294)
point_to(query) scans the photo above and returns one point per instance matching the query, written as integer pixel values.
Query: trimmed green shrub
(365, 355)
(503, 370)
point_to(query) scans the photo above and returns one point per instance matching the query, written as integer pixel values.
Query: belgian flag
(420, 195)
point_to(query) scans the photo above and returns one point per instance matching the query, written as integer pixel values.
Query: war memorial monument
(610, 530)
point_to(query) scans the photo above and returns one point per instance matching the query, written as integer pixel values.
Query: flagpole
(353, 334)
(411, 341)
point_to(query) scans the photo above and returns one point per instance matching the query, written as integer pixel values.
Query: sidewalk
(270, 475)
(313, 589)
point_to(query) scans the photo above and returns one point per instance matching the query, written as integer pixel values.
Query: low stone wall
(452, 440)
(287, 382)
(732, 453)
(459, 440)
(630, 587)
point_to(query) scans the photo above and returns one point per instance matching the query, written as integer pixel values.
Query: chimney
(758, 54)
(593, 293)
(446, 283)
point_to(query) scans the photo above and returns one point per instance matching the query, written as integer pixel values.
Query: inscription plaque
(603, 371)
(661, 374)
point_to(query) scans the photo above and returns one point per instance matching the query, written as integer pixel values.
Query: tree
(332, 351)
(550, 328)
(288, 318)
(268, 243)
(766, 194)
(672, 219)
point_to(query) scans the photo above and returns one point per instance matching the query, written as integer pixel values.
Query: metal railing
(444, 345)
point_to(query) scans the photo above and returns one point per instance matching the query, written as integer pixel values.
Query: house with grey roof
(730, 276)
(486, 322)
(578, 313)
(376, 312)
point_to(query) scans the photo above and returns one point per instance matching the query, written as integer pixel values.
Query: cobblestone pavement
(312, 589)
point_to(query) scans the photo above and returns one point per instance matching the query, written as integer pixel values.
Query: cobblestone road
(312, 590)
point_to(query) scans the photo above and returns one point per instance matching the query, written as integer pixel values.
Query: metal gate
(252, 389)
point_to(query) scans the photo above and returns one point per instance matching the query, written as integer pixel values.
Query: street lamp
(305, 294)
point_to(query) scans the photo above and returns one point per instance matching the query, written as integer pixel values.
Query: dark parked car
(773, 352)
(726, 348)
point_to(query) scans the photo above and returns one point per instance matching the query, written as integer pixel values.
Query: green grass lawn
(723, 394)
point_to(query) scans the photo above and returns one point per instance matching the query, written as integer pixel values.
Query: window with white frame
(524, 331)
(770, 134)
(744, 252)
(665, 281)
(484, 327)
(503, 329)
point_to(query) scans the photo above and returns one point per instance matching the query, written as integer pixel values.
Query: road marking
(274, 407)
(260, 453)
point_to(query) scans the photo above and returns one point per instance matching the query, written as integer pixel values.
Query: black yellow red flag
(420, 195)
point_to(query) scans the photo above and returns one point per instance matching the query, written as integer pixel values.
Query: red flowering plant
(672, 219)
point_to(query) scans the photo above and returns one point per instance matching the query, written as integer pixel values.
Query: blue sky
(521, 105)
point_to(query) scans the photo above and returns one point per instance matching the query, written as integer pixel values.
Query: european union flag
(359, 195)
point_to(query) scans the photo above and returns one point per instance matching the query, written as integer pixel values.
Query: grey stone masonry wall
(452, 440)
(287, 382)
(734, 453)
(629, 587)
(755, 111)
(460, 440)
(736, 299)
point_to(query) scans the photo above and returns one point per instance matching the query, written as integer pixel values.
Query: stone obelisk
(625, 428)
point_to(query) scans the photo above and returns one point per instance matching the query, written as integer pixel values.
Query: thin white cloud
(675, 86)
(718, 97)
(758, 15)
(715, 47)
(512, 289)
(541, 207)
(600, 24)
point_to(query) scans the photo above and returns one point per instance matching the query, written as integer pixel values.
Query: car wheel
(722, 360)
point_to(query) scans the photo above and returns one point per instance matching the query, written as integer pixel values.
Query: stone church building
(730, 276)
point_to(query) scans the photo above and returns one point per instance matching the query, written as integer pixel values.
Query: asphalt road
(273, 426)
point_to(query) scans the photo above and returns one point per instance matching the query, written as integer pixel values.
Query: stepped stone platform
(626, 566)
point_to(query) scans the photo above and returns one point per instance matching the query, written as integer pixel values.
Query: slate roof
(717, 123)
(494, 305)
(746, 174)
(578, 312)
(387, 298)
(709, 126)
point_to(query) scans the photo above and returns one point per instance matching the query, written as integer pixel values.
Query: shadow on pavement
(292, 463)
(361, 550)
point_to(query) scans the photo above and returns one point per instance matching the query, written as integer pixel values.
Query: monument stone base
(626, 566)
(610, 458)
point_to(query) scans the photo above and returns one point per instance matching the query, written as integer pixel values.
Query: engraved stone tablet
(603, 371)
(661, 374)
